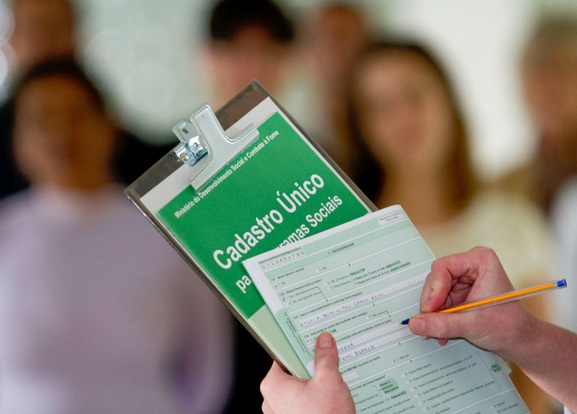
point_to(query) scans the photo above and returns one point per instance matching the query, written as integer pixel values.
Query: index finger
(460, 277)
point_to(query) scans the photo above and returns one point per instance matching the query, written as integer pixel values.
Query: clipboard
(242, 181)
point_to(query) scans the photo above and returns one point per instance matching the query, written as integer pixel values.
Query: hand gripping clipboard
(241, 182)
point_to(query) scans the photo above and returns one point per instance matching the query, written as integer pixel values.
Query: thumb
(326, 358)
(439, 325)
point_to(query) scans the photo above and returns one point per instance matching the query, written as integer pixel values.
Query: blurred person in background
(564, 225)
(41, 28)
(247, 40)
(98, 314)
(332, 40)
(549, 75)
(406, 119)
(45, 28)
(549, 78)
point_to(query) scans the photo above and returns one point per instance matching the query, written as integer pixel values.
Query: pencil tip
(405, 322)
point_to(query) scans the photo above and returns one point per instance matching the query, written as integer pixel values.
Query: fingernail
(325, 340)
(434, 288)
(425, 304)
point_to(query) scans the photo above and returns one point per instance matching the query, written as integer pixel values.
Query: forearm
(548, 355)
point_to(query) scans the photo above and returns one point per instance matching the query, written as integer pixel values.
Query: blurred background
(148, 56)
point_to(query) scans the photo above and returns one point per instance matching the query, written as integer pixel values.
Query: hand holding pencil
(468, 278)
(504, 297)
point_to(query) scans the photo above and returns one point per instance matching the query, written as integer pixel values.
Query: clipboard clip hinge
(191, 148)
(205, 145)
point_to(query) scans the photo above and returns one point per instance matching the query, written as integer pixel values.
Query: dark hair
(370, 175)
(228, 17)
(550, 33)
(58, 66)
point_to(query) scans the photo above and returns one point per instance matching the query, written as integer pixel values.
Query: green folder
(243, 181)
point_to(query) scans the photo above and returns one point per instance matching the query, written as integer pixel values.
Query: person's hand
(326, 392)
(467, 277)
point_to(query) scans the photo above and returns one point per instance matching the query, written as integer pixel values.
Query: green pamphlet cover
(278, 189)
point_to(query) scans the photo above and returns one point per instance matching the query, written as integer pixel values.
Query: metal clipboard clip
(205, 145)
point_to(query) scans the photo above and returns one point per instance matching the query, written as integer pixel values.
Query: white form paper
(358, 281)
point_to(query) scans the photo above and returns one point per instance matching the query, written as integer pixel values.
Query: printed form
(358, 281)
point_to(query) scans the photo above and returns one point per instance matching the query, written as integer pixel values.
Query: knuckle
(484, 251)
(443, 327)
(264, 387)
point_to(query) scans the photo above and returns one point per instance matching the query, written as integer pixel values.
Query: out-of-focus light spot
(6, 24)
(3, 68)
(152, 37)
(111, 51)
(150, 88)
(113, 3)
(6, 27)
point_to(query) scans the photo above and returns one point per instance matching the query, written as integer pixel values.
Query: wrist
(522, 337)
(526, 340)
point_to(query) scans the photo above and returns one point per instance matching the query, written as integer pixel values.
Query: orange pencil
(505, 297)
